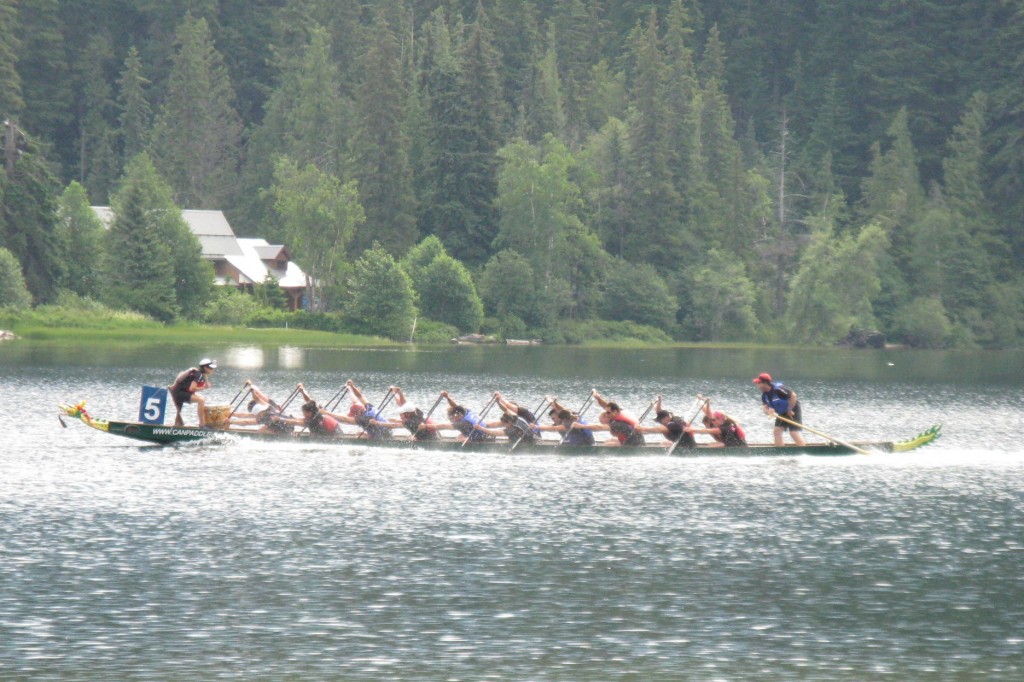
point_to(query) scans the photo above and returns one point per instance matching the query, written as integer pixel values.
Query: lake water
(244, 560)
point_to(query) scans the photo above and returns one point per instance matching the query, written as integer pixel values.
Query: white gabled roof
(211, 228)
(213, 231)
(253, 269)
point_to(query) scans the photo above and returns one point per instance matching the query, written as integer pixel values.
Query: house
(260, 259)
(238, 261)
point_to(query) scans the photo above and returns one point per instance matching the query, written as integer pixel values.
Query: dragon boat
(161, 434)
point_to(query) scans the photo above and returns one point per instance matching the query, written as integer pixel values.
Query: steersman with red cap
(780, 400)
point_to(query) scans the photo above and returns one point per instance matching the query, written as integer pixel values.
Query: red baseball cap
(763, 378)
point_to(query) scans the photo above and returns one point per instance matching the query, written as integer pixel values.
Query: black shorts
(180, 397)
(797, 417)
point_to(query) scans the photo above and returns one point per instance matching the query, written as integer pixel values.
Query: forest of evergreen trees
(791, 171)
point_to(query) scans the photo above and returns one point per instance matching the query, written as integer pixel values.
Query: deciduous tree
(380, 297)
(319, 215)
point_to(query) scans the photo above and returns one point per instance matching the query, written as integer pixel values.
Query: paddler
(674, 428)
(468, 424)
(621, 425)
(262, 411)
(411, 418)
(574, 430)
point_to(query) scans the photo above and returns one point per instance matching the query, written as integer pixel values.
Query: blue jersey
(468, 427)
(579, 436)
(777, 396)
(374, 431)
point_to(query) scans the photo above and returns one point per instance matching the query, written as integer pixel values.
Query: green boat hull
(168, 435)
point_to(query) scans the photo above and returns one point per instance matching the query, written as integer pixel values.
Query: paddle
(640, 421)
(480, 420)
(860, 451)
(288, 401)
(540, 407)
(387, 398)
(579, 415)
(701, 402)
(433, 407)
(246, 389)
(336, 399)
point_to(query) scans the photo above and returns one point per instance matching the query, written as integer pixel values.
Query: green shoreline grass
(192, 335)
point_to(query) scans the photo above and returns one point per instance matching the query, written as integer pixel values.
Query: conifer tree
(307, 120)
(463, 105)
(84, 236)
(11, 102)
(13, 291)
(98, 166)
(480, 138)
(381, 146)
(197, 131)
(547, 111)
(135, 115)
(43, 71)
(892, 194)
(28, 217)
(606, 163)
(653, 221)
(139, 272)
(149, 198)
(683, 97)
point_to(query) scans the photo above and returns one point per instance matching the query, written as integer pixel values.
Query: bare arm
(357, 395)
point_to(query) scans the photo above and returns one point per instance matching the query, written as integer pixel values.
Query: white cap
(207, 362)
(407, 408)
(260, 409)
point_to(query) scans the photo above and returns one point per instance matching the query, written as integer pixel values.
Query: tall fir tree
(44, 74)
(481, 100)
(306, 119)
(134, 113)
(11, 102)
(546, 113)
(892, 194)
(98, 166)
(143, 189)
(197, 132)
(139, 269)
(83, 233)
(654, 219)
(682, 96)
(381, 145)
(464, 105)
(28, 217)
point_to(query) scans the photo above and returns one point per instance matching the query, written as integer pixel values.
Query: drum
(217, 416)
